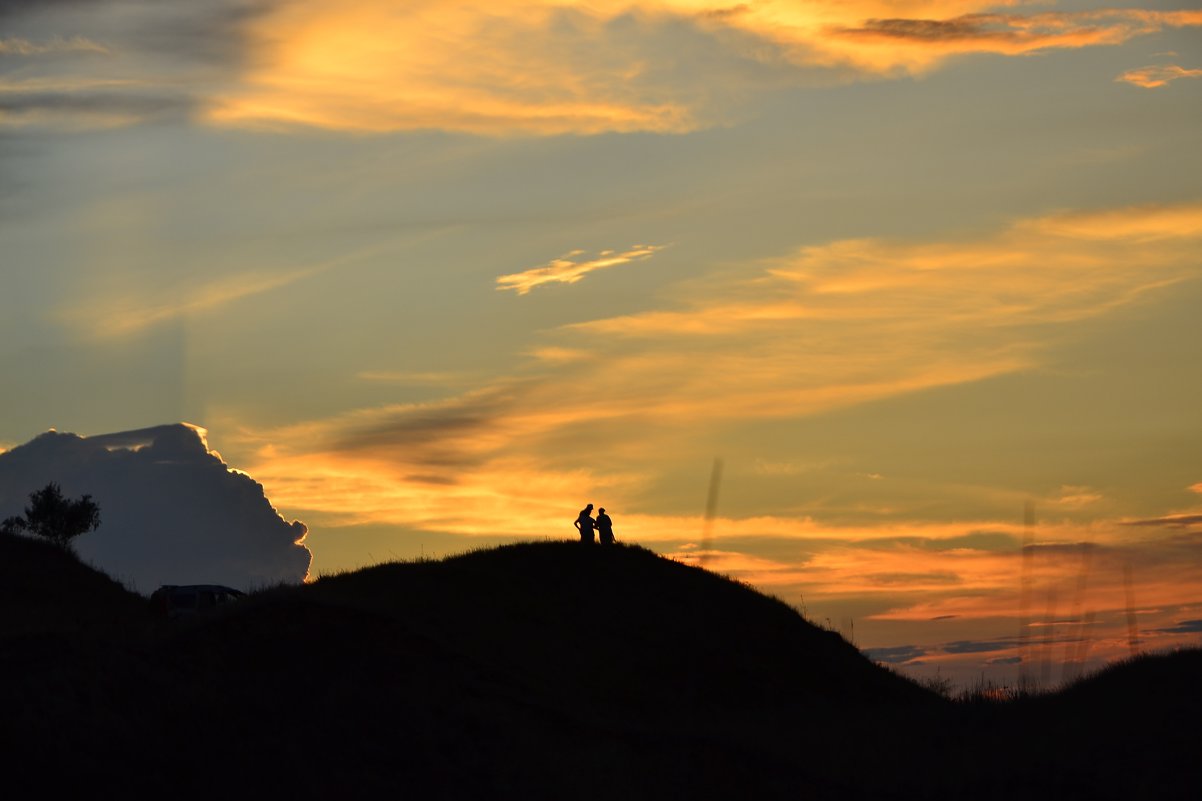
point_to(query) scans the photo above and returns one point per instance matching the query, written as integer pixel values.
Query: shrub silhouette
(53, 517)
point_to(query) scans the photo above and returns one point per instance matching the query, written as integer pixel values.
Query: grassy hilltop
(532, 671)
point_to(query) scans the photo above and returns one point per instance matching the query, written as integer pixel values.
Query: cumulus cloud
(1157, 75)
(172, 512)
(570, 268)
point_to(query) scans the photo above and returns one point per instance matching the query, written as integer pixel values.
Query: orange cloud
(554, 67)
(565, 270)
(823, 328)
(915, 45)
(442, 473)
(1138, 225)
(857, 320)
(1156, 76)
(537, 67)
(828, 327)
(370, 65)
(1072, 497)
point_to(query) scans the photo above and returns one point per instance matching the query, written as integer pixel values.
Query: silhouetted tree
(54, 517)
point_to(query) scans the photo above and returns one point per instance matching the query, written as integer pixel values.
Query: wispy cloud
(1168, 521)
(918, 45)
(570, 268)
(1074, 497)
(1134, 224)
(125, 315)
(558, 355)
(16, 45)
(856, 320)
(127, 310)
(825, 328)
(1157, 75)
(895, 654)
(109, 64)
(408, 377)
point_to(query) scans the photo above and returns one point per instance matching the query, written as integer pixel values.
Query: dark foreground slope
(44, 591)
(1128, 732)
(530, 671)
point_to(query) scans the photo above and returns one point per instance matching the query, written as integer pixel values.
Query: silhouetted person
(605, 527)
(585, 523)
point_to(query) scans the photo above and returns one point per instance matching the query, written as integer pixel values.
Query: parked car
(182, 600)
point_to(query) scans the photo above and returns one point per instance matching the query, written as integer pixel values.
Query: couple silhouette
(585, 523)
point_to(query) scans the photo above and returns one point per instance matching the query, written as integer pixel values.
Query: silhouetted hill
(45, 589)
(529, 671)
(558, 671)
(1130, 731)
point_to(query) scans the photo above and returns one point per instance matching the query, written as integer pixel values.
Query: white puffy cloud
(172, 512)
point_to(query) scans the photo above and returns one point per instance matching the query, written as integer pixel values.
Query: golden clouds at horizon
(550, 67)
(958, 603)
(603, 405)
(829, 327)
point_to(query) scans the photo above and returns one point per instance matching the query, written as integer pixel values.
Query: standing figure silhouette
(585, 523)
(605, 527)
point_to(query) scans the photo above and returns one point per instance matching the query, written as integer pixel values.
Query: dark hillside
(553, 670)
(620, 623)
(532, 671)
(45, 589)
(539, 671)
(631, 643)
(1128, 732)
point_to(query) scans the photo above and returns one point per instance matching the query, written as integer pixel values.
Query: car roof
(199, 588)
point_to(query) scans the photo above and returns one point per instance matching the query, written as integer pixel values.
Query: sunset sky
(437, 274)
